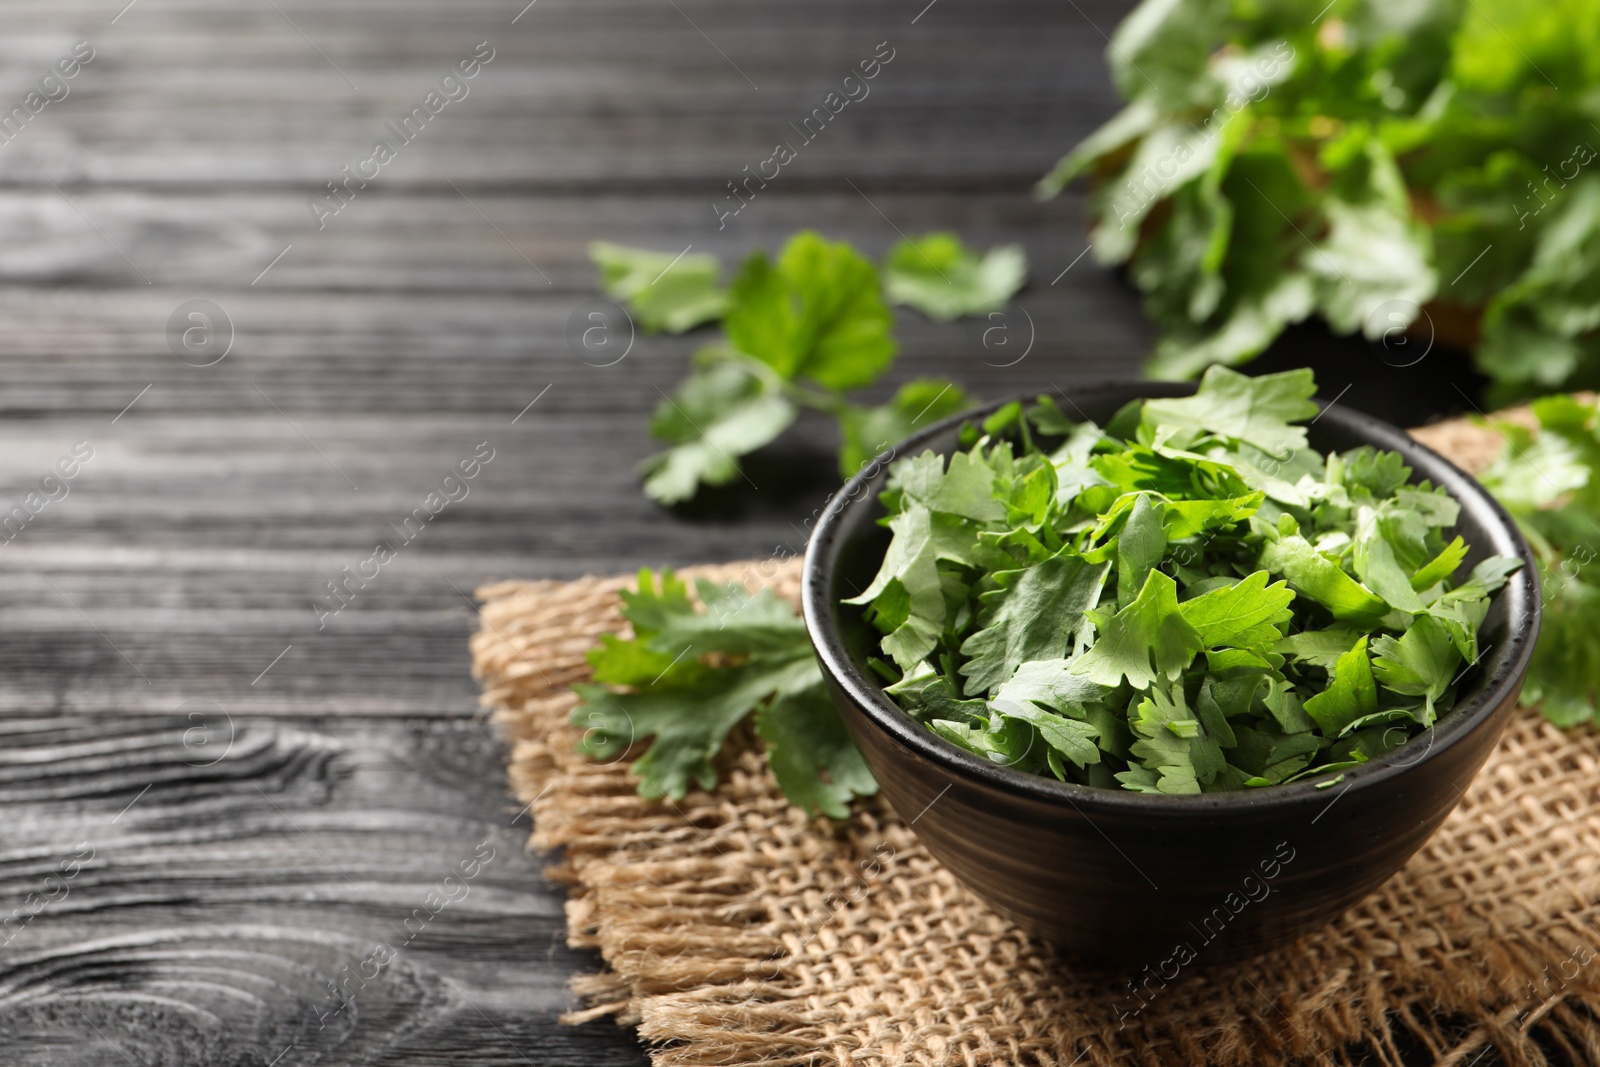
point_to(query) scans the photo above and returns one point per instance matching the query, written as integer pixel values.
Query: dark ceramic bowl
(1128, 877)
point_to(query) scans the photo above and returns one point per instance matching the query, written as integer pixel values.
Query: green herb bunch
(1367, 161)
(1545, 476)
(686, 678)
(1190, 599)
(803, 331)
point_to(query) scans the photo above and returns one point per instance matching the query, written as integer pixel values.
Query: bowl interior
(848, 547)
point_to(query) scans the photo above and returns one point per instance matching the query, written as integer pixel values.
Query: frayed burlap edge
(735, 931)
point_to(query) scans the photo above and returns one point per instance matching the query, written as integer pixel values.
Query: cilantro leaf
(1082, 724)
(693, 676)
(1374, 251)
(1248, 613)
(1350, 695)
(908, 594)
(927, 694)
(1461, 613)
(1321, 579)
(1147, 639)
(1269, 166)
(1545, 476)
(654, 603)
(1441, 566)
(1156, 42)
(817, 313)
(1173, 752)
(734, 622)
(1376, 562)
(1034, 614)
(1049, 683)
(626, 662)
(1072, 738)
(1140, 547)
(1257, 411)
(1565, 672)
(648, 608)
(1247, 324)
(1381, 474)
(1421, 662)
(940, 277)
(721, 412)
(688, 723)
(1490, 574)
(664, 293)
(798, 333)
(1007, 741)
(1536, 472)
(966, 487)
(811, 754)
(1319, 648)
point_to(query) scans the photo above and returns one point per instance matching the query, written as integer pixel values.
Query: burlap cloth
(734, 930)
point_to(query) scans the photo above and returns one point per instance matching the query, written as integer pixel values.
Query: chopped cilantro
(1145, 606)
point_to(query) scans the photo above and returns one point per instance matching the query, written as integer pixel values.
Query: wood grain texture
(201, 888)
(627, 92)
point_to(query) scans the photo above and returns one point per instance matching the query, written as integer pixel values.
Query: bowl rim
(1507, 669)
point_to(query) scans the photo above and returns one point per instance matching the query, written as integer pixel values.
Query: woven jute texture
(736, 931)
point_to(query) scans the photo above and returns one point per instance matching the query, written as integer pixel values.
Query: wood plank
(622, 92)
(225, 890)
(491, 243)
(440, 313)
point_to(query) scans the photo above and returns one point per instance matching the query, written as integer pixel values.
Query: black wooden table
(239, 831)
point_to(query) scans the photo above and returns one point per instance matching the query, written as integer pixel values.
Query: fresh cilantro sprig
(801, 331)
(1362, 160)
(1546, 476)
(686, 678)
(1189, 599)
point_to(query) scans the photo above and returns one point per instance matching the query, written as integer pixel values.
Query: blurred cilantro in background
(1546, 476)
(799, 332)
(1367, 161)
